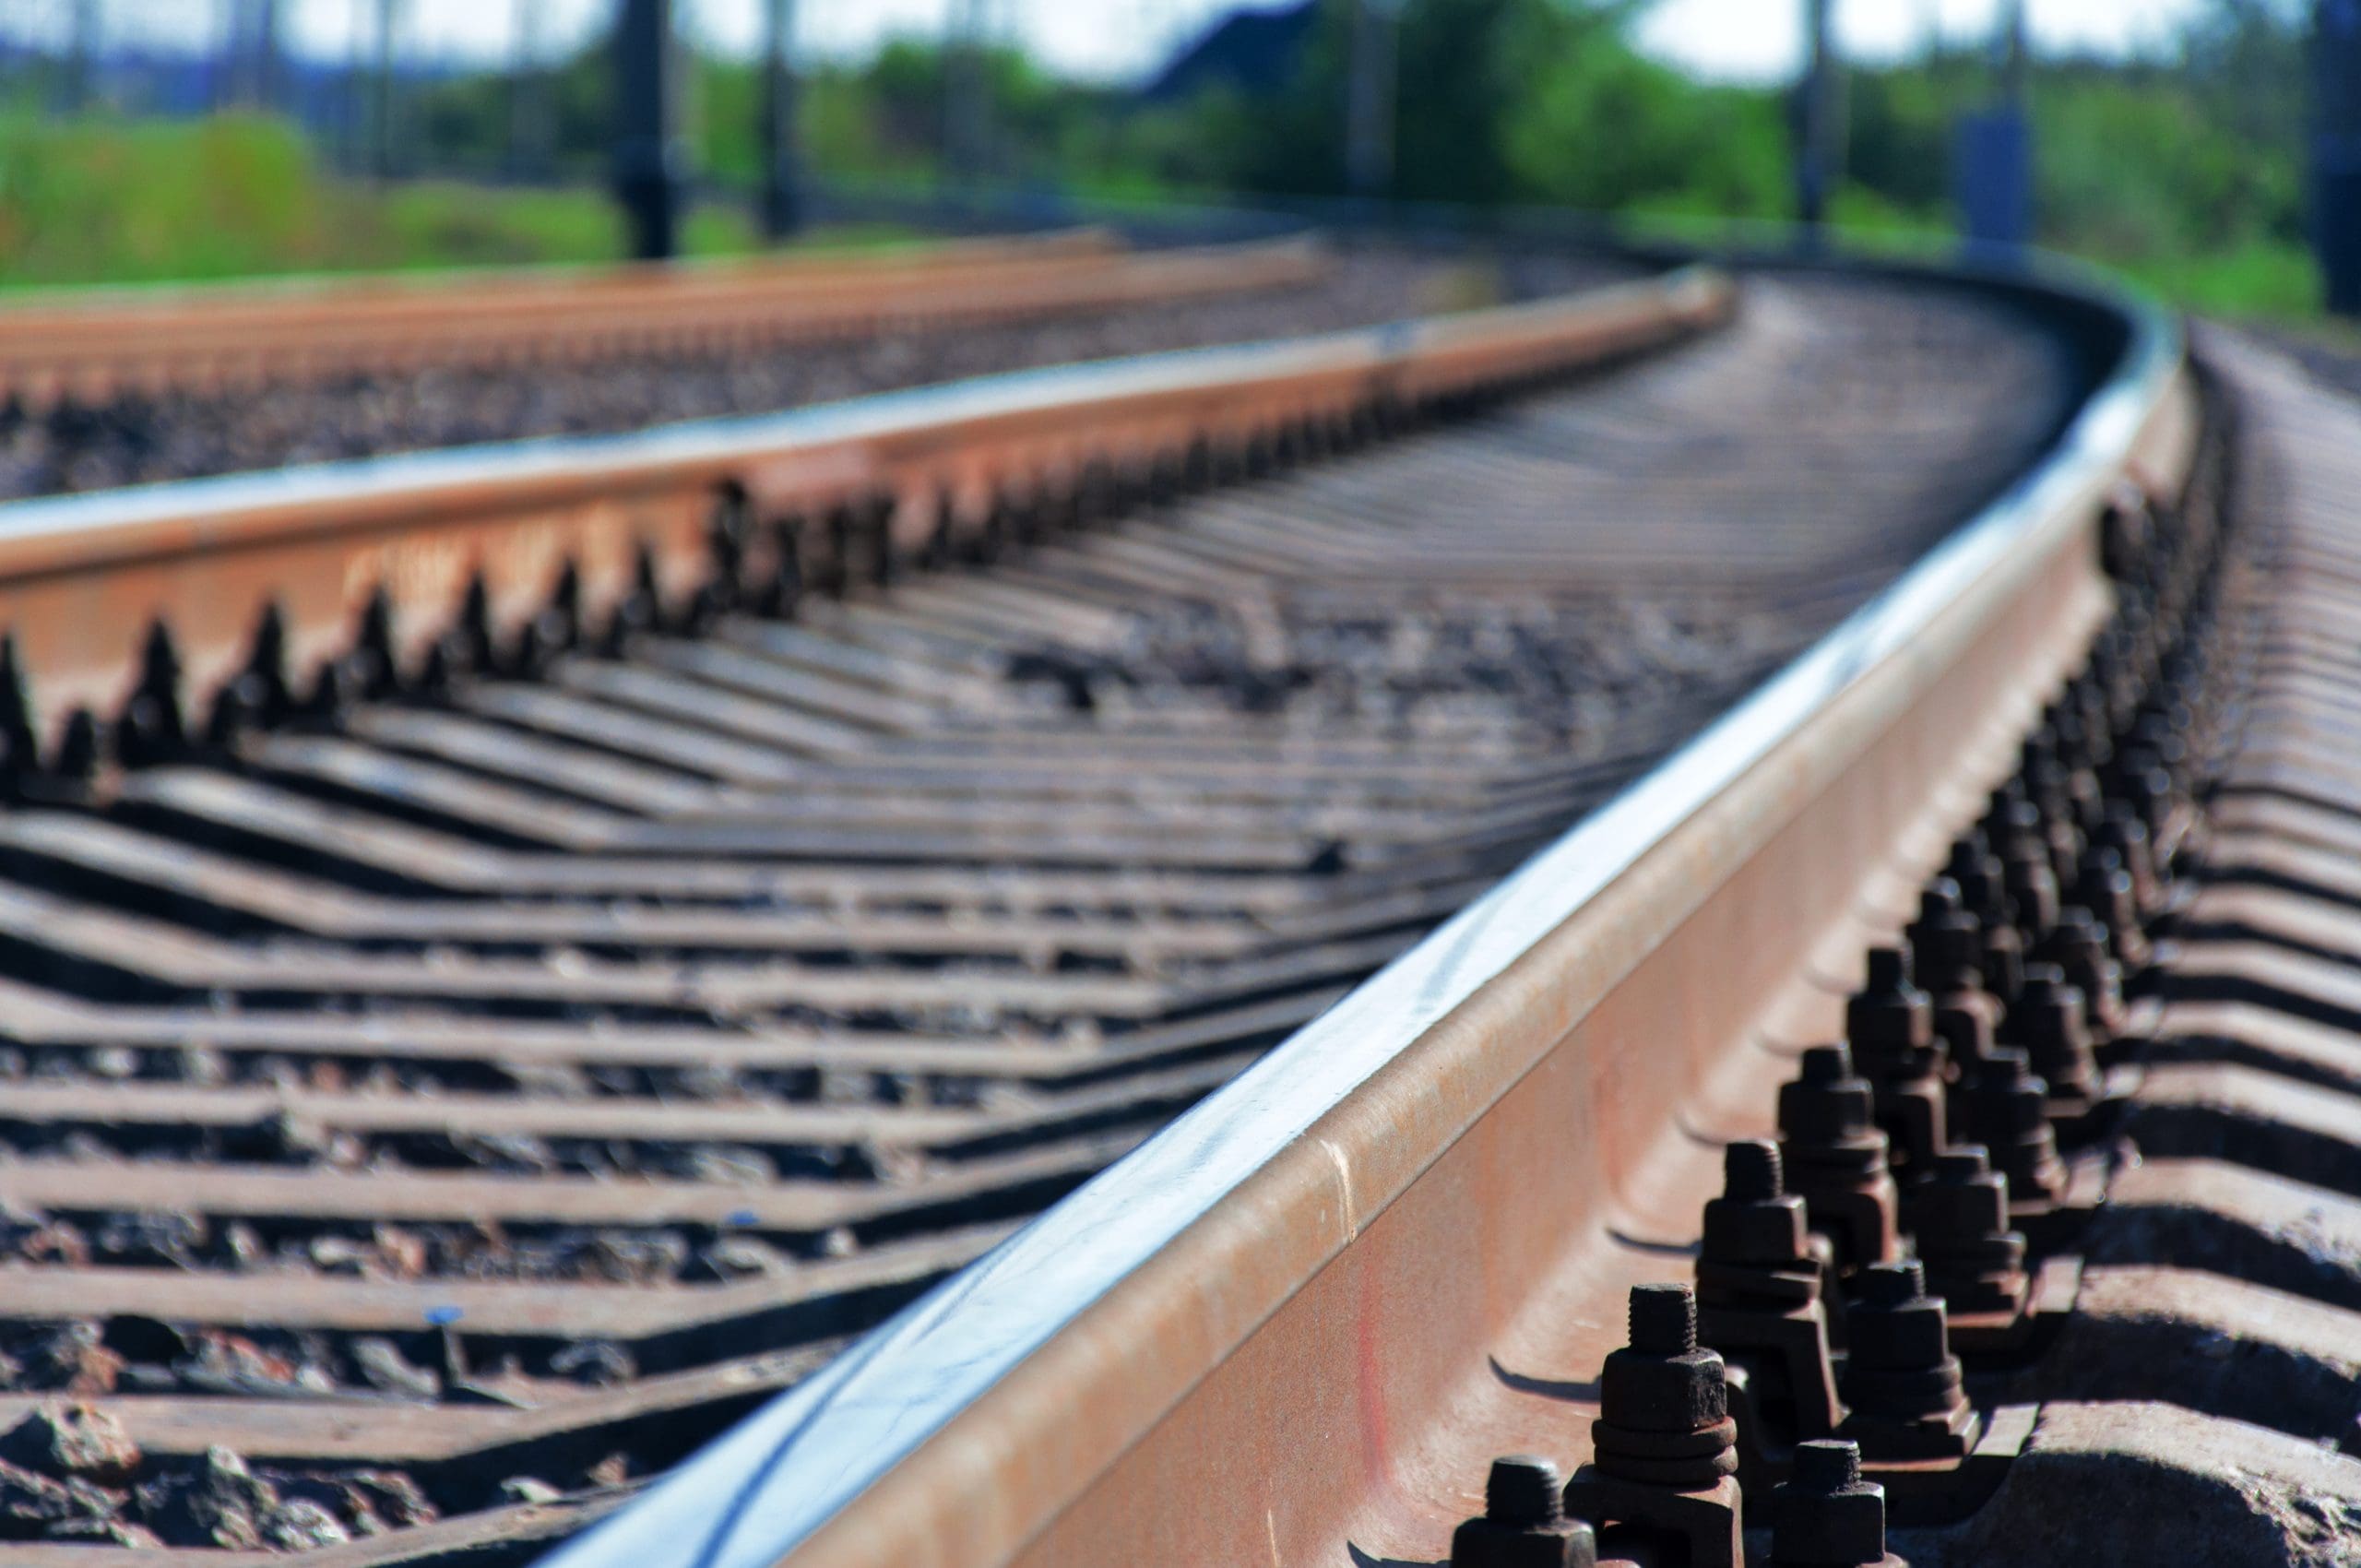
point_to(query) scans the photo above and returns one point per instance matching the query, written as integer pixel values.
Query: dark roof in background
(1253, 50)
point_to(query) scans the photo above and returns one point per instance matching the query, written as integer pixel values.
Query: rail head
(1013, 1412)
(406, 543)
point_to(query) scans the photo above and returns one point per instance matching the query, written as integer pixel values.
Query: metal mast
(2336, 151)
(782, 174)
(647, 155)
(1368, 101)
(1819, 121)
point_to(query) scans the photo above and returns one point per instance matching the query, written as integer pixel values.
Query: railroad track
(89, 346)
(484, 1018)
(290, 376)
(1299, 1327)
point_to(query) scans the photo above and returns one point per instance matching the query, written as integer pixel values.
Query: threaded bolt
(1751, 1171)
(1825, 1464)
(1891, 1284)
(1825, 1064)
(1523, 1489)
(1664, 1319)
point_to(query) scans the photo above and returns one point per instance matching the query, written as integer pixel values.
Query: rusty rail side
(1287, 1321)
(420, 537)
(249, 337)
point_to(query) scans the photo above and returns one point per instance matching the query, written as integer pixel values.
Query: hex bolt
(1891, 1026)
(2107, 888)
(1663, 1320)
(1524, 1524)
(1664, 1410)
(1947, 946)
(1826, 1516)
(2081, 948)
(1756, 1225)
(1960, 1216)
(1759, 1288)
(2128, 836)
(2148, 789)
(2006, 1109)
(1890, 1023)
(1978, 874)
(1835, 1156)
(2022, 837)
(1664, 1447)
(2047, 1020)
(1901, 1380)
(1939, 907)
(2032, 883)
(2041, 766)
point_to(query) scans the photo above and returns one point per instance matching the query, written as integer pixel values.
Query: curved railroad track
(133, 387)
(537, 953)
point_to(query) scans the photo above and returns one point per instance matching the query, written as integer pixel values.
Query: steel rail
(406, 544)
(91, 346)
(1288, 1320)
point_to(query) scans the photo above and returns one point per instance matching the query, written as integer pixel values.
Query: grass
(109, 201)
(102, 200)
(2260, 281)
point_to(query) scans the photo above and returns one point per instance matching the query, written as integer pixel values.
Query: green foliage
(97, 199)
(2185, 170)
(1611, 131)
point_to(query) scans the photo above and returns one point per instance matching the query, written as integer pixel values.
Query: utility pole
(532, 137)
(1820, 119)
(1368, 101)
(647, 154)
(965, 95)
(82, 64)
(265, 64)
(2015, 59)
(387, 105)
(782, 174)
(2336, 151)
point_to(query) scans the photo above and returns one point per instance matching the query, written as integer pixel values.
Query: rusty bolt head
(2032, 889)
(1663, 1320)
(1937, 902)
(1893, 1324)
(2078, 939)
(1962, 1197)
(2124, 833)
(1954, 955)
(2050, 1018)
(2008, 1108)
(1524, 1524)
(1960, 1216)
(2105, 887)
(1827, 1104)
(1751, 1171)
(1756, 1221)
(1976, 871)
(2084, 949)
(1661, 1382)
(1827, 1516)
(1890, 1023)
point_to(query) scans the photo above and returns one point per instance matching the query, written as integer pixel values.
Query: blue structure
(2336, 151)
(1994, 162)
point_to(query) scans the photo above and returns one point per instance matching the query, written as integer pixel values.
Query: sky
(1750, 39)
